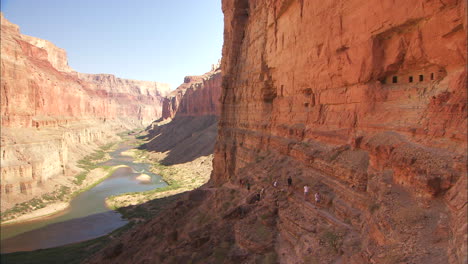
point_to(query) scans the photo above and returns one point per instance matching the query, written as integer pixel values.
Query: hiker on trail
(306, 191)
(275, 183)
(262, 192)
(317, 198)
(248, 186)
(289, 181)
(241, 182)
(257, 197)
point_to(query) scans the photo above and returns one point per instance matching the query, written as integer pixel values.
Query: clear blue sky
(154, 40)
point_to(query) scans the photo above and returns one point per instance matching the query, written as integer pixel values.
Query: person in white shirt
(306, 191)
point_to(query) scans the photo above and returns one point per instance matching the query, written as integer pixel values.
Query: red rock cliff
(37, 85)
(51, 116)
(197, 96)
(366, 102)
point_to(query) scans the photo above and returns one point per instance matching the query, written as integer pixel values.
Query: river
(87, 217)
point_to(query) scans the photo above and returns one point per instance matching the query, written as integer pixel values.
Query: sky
(152, 40)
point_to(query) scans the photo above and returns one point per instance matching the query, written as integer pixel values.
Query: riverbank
(81, 251)
(93, 178)
(56, 202)
(179, 177)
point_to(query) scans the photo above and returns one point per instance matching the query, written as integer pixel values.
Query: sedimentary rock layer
(369, 98)
(197, 96)
(51, 115)
(363, 101)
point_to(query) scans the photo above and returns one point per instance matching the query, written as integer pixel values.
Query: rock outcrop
(52, 116)
(197, 96)
(188, 126)
(55, 55)
(366, 103)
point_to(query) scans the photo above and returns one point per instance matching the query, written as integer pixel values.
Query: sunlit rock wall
(51, 116)
(363, 97)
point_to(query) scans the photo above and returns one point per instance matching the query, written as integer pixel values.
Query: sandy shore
(49, 210)
(187, 176)
(93, 178)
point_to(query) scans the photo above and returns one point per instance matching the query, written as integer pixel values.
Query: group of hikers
(275, 185)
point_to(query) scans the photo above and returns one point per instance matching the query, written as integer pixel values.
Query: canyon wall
(197, 96)
(363, 101)
(38, 87)
(188, 127)
(51, 116)
(368, 101)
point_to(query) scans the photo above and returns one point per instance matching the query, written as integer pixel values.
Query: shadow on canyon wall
(186, 138)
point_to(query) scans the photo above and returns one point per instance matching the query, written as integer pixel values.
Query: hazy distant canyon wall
(197, 96)
(364, 98)
(38, 87)
(51, 115)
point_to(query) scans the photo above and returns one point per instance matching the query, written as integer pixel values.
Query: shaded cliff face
(197, 96)
(52, 116)
(368, 101)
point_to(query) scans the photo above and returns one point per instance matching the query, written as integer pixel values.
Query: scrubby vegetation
(179, 178)
(36, 203)
(91, 162)
(65, 193)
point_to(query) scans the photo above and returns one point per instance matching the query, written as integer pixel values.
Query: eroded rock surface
(51, 116)
(197, 96)
(363, 101)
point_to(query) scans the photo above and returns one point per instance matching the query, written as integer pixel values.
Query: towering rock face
(38, 86)
(51, 116)
(55, 55)
(193, 109)
(364, 102)
(197, 96)
(141, 100)
(368, 102)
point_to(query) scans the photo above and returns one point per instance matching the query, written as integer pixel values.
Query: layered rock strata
(188, 126)
(364, 102)
(51, 115)
(369, 102)
(197, 96)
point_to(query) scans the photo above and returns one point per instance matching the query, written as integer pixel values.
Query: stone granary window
(410, 79)
(432, 76)
(395, 79)
(421, 78)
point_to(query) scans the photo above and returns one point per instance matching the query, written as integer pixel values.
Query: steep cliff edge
(52, 116)
(197, 96)
(364, 102)
(188, 126)
(368, 101)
